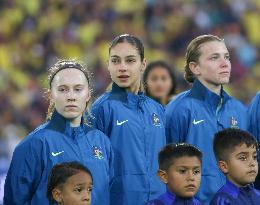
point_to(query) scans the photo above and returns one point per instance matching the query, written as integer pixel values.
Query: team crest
(97, 152)
(156, 120)
(233, 122)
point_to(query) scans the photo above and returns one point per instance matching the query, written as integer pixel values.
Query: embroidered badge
(97, 152)
(156, 120)
(233, 122)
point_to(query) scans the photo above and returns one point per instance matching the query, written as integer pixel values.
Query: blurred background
(35, 33)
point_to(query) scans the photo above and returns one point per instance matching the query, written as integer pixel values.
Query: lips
(225, 73)
(71, 106)
(191, 187)
(252, 172)
(123, 77)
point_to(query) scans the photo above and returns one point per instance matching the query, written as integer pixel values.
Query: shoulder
(154, 202)
(35, 137)
(101, 100)
(180, 106)
(181, 100)
(222, 198)
(256, 100)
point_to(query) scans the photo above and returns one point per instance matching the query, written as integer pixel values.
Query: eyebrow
(82, 184)
(227, 53)
(193, 167)
(242, 153)
(116, 56)
(77, 85)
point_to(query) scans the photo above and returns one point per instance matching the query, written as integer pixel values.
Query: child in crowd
(236, 153)
(180, 170)
(70, 183)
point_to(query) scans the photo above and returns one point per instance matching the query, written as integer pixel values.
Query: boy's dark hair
(174, 151)
(162, 65)
(61, 172)
(226, 140)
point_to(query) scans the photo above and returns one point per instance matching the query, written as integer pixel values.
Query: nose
(225, 62)
(87, 196)
(122, 67)
(253, 162)
(190, 176)
(71, 96)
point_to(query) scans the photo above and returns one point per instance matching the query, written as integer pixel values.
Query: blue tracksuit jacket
(194, 117)
(51, 143)
(135, 125)
(230, 194)
(169, 198)
(254, 126)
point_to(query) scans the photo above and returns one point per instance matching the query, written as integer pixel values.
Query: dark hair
(174, 151)
(131, 40)
(162, 65)
(61, 65)
(193, 53)
(226, 140)
(61, 172)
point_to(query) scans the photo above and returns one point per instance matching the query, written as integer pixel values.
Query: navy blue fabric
(230, 194)
(51, 143)
(194, 116)
(254, 127)
(135, 125)
(171, 199)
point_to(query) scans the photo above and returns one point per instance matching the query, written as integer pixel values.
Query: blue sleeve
(24, 173)
(99, 116)
(177, 121)
(254, 117)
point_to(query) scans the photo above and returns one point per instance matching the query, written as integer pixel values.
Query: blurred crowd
(35, 33)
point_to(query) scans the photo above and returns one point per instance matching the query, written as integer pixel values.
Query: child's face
(76, 190)
(183, 177)
(242, 167)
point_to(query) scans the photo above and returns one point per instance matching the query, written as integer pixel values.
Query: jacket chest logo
(155, 119)
(97, 153)
(233, 123)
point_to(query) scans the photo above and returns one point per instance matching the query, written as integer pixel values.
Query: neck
(75, 122)
(213, 88)
(134, 88)
(165, 100)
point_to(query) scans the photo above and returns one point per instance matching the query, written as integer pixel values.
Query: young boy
(180, 170)
(236, 153)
